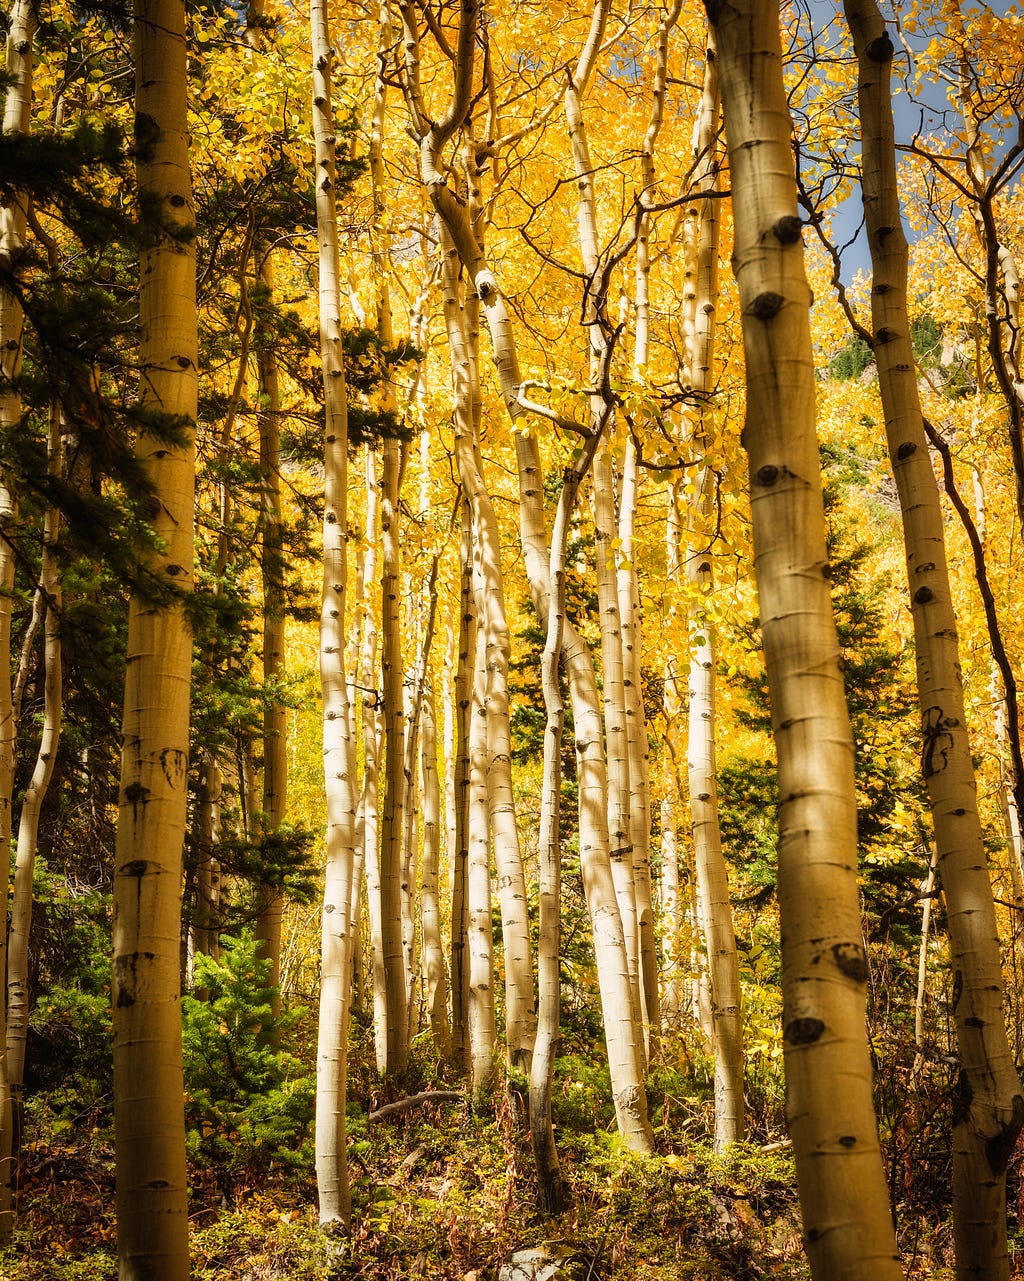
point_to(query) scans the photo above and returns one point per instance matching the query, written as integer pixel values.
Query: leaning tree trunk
(845, 1203)
(988, 1105)
(338, 740)
(152, 1200)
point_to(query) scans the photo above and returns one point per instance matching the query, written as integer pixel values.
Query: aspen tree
(623, 1037)
(152, 1207)
(463, 696)
(49, 591)
(480, 938)
(435, 984)
(372, 722)
(555, 1193)
(596, 327)
(627, 578)
(988, 1104)
(490, 609)
(462, 322)
(709, 861)
(423, 615)
(392, 893)
(338, 738)
(847, 1223)
(17, 118)
(1002, 276)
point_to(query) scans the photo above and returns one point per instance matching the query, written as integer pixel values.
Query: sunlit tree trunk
(844, 1200)
(624, 1039)
(605, 527)
(927, 895)
(1002, 279)
(393, 815)
(152, 1205)
(673, 905)
(482, 1033)
(988, 1105)
(461, 319)
(1000, 727)
(338, 737)
(709, 861)
(628, 579)
(423, 615)
(464, 682)
(435, 981)
(372, 722)
(630, 618)
(32, 802)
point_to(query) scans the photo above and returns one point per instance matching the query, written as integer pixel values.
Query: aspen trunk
(31, 806)
(630, 619)
(927, 893)
(17, 119)
(482, 1034)
(206, 924)
(393, 817)
(435, 984)
(338, 739)
(555, 1193)
(625, 1048)
(461, 319)
(152, 1206)
(464, 680)
(988, 1107)
(372, 720)
(708, 859)
(673, 905)
(847, 1223)
(597, 329)
(616, 734)
(275, 716)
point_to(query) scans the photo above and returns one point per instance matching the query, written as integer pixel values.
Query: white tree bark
(338, 738)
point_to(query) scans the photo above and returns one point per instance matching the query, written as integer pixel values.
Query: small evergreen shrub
(248, 1099)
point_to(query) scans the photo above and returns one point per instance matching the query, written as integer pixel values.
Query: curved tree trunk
(988, 1107)
(152, 1204)
(847, 1223)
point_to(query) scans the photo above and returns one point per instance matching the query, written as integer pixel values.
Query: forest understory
(443, 1190)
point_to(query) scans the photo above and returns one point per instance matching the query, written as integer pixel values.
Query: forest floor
(442, 1193)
